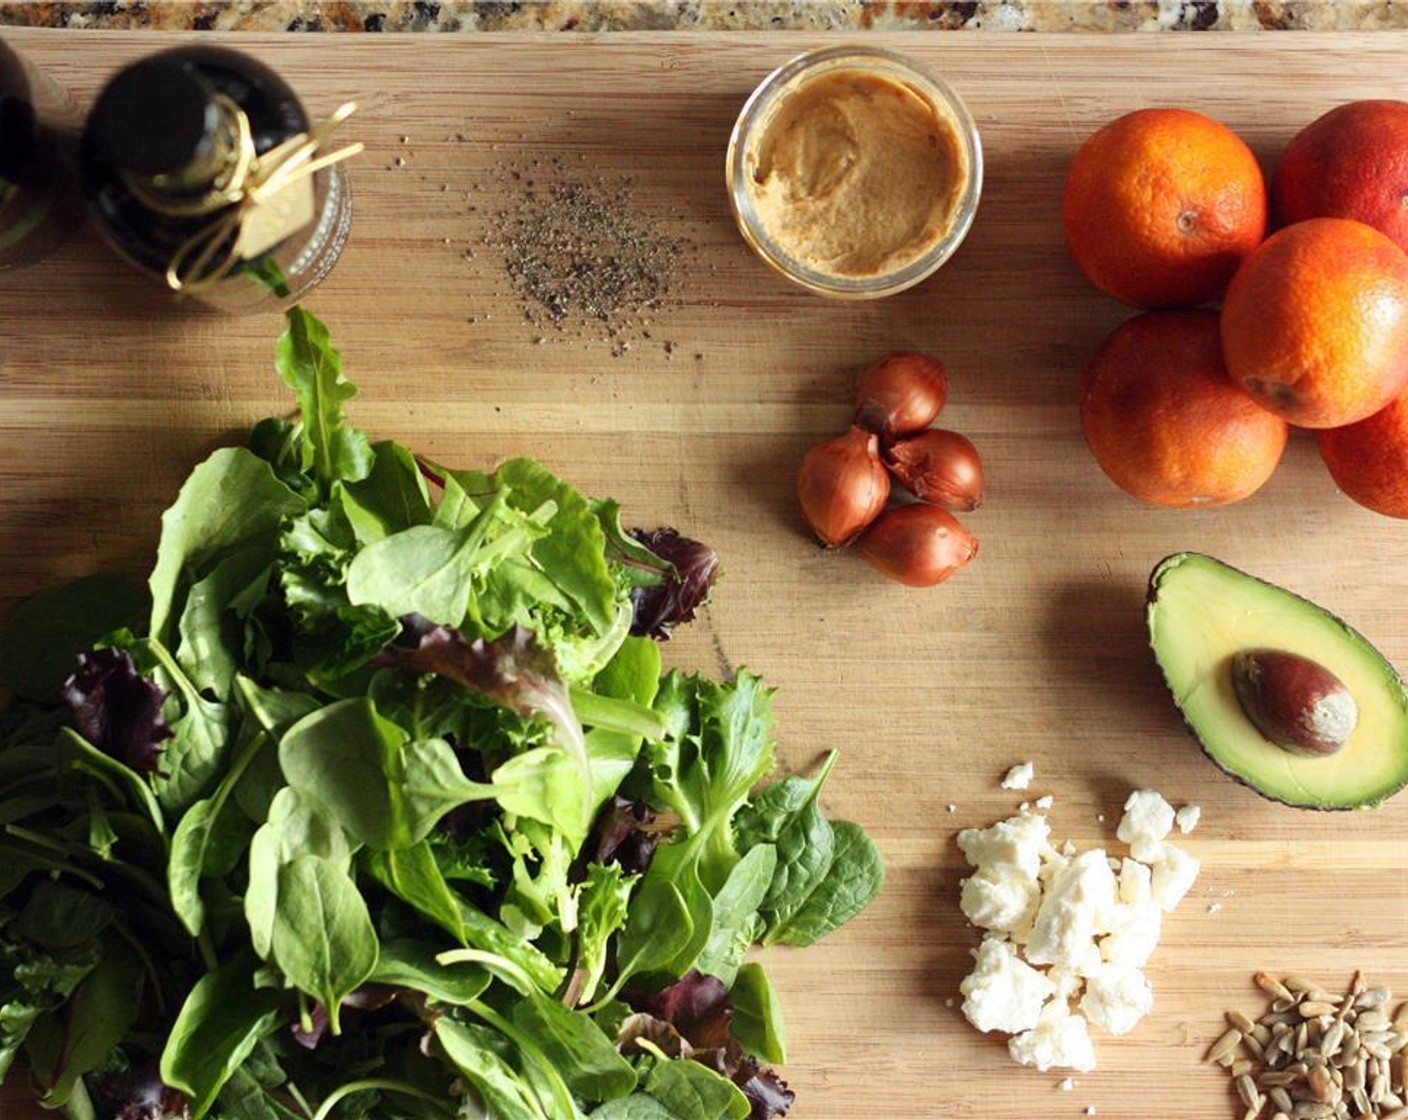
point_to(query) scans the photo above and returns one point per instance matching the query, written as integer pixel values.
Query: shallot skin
(900, 394)
(939, 467)
(918, 545)
(842, 486)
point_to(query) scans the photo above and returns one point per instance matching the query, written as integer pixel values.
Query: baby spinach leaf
(492, 936)
(787, 815)
(478, 1055)
(306, 360)
(413, 876)
(387, 789)
(298, 824)
(41, 640)
(412, 964)
(660, 928)
(200, 743)
(323, 939)
(736, 923)
(587, 1060)
(694, 1092)
(58, 915)
(856, 876)
(231, 501)
(757, 1016)
(638, 1106)
(243, 1098)
(217, 1028)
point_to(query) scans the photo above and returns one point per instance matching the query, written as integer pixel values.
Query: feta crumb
(1045, 802)
(1066, 1084)
(1000, 899)
(1017, 841)
(1089, 1110)
(1020, 776)
(952, 808)
(1134, 935)
(1073, 910)
(1214, 907)
(1117, 998)
(1024, 806)
(1148, 818)
(1060, 1039)
(1136, 883)
(1187, 818)
(1174, 873)
(1003, 993)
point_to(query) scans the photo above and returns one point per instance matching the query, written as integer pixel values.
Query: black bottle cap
(155, 118)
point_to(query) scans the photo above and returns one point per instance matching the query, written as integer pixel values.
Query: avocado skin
(1389, 680)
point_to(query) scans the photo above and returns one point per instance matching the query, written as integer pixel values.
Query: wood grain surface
(108, 395)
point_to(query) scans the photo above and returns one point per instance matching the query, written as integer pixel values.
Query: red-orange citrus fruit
(1350, 163)
(1315, 324)
(1162, 205)
(1369, 460)
(1164, 421)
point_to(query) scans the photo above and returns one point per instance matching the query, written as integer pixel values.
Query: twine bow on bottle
(253, 180)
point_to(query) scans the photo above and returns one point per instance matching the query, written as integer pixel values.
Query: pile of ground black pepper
(582, 257)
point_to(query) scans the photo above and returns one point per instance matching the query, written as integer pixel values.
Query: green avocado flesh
(1202, 612)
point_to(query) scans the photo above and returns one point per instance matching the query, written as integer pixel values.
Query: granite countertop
(711, 15)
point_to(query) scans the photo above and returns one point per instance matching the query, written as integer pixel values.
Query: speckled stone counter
(712, 15)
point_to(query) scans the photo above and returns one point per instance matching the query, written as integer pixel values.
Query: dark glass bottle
(164, 156)
(39, 204)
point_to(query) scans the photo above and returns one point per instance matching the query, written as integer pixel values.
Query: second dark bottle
(194, 166)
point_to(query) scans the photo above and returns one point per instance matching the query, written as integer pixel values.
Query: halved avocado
(1203, 612)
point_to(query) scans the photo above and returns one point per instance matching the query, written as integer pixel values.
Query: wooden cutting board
(108, 395)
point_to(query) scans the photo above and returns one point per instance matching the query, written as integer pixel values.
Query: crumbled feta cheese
(1059, 1039)
(1018, 841)
(1003, 993)
(1187, 818)
(1074, 908)
(1148, 818)
(1045, 802)
(1066, 1084)
(1068, 929)
(1117, 998)
(1000, 899)
(1174, 873)
(1019, 777)
(1134, 935)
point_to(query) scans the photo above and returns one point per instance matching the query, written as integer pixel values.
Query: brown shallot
(900, 394)
(939, 467)
(918, 545)
(842, 486)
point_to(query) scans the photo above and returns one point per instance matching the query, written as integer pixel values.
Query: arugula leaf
(392, 497)
(306, 360)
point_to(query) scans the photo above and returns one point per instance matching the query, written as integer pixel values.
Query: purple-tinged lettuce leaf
(138, 1094)
(117, 709)
(768, 1095)
(684, 588)
(624, 836)
(513, 670)
(696, 1005)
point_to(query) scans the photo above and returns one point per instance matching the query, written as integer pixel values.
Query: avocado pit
(1295, 702)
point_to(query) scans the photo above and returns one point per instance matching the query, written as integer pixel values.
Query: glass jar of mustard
(853, 172)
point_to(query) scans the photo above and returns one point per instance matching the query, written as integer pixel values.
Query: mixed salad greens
(376, 803)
